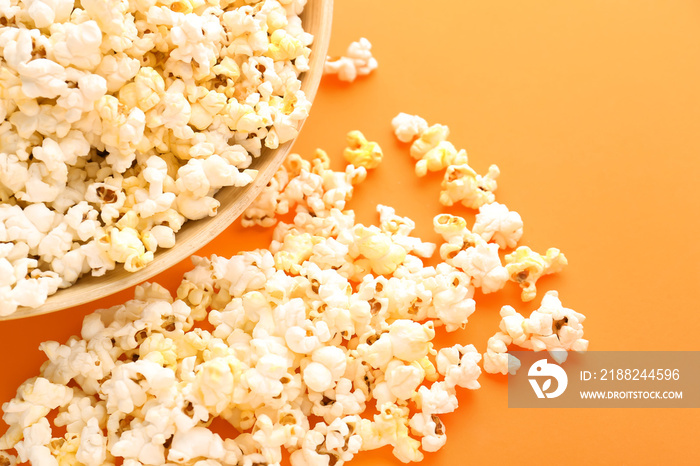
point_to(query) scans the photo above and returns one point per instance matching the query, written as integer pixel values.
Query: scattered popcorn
(332, 318)
(290, 340)
(357, 61)
(308, 187)
(123, 119)
(552, 327)
(434, 152)
(525, 267)
(475, 252)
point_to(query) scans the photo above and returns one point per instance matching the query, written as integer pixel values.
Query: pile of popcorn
(122, 118)
(321, 345)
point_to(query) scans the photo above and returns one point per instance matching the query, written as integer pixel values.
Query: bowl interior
(317, 20)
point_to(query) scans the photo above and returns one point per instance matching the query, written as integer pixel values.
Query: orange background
(591, 108)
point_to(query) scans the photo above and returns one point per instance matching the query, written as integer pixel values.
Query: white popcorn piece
(403, 380)
(410, 340)
(431, 429)
(438, 399)
(496, 358)
(408, 127)
(390, 427)
(552, 327)
(76, 45)
(318, 377)
(495, 222)
(93, 445)
(483, 265)
(459, 366)
(357, 61)
(195, 443)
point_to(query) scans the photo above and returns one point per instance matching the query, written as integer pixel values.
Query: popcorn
(42, 78)
(496, 358)
(76, 45)
(140, 110)
(361, 152)
(552, 327)
(195, 443)
(357, 61)
(7, 460)
(482, 264)
(318, 377)
(434, 152)
(407, 127)
(438, 399)
(92, 450)
(525, 267)
(274, 350)
(334, 316)
(403, 380)
(495, 222)
(462, 184)
(309, 187)
(459, 366)
(410, 340)
(431, 429)
(374, 251)
(390, 427)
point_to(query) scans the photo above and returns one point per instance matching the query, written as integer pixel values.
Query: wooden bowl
(317, 19)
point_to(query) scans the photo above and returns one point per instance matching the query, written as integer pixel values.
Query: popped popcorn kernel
(357, 61)
(495, 222)
(407, 127)
(551, 328)
(462, 184)
(525, 267)
(361, 152)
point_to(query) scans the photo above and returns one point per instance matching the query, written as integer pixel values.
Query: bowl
(317, 19)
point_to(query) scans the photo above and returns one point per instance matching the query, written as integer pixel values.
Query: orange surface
(591, 109)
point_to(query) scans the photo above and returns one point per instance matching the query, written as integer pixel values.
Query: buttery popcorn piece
(525, 267)
(361, 152)
(462, 184)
